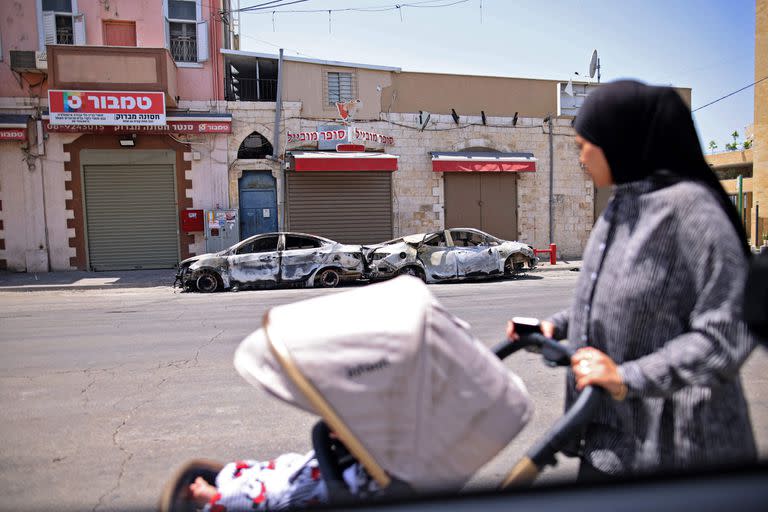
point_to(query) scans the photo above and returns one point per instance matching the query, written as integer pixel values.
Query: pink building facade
(93, 194)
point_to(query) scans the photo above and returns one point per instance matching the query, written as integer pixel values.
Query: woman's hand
(594, 368)
(547, 329)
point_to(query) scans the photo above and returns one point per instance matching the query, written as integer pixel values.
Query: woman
(656, 315)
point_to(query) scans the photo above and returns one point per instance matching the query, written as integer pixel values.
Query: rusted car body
(273, 259)
(447, 255)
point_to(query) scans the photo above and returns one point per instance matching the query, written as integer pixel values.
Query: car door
(300, 256)
(256, 260)
(476, 254)
(436, 254)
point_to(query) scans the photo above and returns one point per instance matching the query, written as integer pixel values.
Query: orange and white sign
(109, 108)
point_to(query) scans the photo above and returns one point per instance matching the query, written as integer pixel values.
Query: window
(183, 41)
(263, 244)
(340, 87)
(468, 239)
(187, 34)
(182, 10)
(60, 23)
(436, 240)
(254, 146)
(301, 242)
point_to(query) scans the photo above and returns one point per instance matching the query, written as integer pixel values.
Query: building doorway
(482, 200)
(258, 203)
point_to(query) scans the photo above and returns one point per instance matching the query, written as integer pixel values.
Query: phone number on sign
(137, 117)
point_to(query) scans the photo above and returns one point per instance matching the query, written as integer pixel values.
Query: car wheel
(207, 282)
(328, 278)
(511, 267)
(412, 271)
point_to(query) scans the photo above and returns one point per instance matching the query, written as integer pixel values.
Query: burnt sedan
(447, 255)
(273, 259)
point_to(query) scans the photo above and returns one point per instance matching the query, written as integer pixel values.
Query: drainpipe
(551, 182)
(740, 196)
(276, 139)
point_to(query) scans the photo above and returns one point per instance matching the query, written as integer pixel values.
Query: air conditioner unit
(27, 61)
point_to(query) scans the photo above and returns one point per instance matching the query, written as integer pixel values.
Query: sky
(705, 45)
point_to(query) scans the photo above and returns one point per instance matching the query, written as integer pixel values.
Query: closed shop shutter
(349, 207)
(131, 216)
(485, 201)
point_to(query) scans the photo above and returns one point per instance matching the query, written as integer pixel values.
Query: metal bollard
(552, 253)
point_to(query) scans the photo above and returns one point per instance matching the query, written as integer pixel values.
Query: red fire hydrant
(552, 253)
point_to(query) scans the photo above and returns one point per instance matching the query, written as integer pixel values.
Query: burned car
(270, 260)
(450, 254)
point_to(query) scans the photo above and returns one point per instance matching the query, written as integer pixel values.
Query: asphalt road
(104, 392)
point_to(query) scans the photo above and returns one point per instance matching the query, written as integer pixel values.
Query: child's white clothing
(291, 480)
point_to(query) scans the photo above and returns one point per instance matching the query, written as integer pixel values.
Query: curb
(155, 283)
(65, 287)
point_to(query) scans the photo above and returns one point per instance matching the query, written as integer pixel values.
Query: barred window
(339, 87)
(183, 42)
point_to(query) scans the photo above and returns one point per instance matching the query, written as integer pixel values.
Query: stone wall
(418, 196)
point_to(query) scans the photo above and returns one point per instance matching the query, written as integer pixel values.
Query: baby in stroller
(291, 480)
(408, 399)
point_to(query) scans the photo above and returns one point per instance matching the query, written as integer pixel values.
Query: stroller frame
(330, 451)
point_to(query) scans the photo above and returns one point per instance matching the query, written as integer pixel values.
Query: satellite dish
(594, 65)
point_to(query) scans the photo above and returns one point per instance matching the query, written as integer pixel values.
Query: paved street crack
(127, 454)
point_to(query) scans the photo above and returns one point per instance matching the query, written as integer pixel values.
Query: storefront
(344, 196)
(480, 189)
(128, 187)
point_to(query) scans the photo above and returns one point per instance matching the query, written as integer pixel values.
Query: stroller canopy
(428, 402)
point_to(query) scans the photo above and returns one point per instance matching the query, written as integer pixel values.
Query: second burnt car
(447, 255)
(273, 259)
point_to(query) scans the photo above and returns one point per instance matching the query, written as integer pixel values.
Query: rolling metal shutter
(131, 216)
(349, 207)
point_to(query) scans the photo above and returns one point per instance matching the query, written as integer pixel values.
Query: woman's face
(593, 160)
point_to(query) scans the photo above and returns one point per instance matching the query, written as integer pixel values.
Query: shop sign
(170, 127)
(331, 135)
(371, 136)
(109, 108)
(340, 135)
(13, 134)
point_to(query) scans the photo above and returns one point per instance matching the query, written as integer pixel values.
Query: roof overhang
(343, 161)
(482, 161)
(293, 58)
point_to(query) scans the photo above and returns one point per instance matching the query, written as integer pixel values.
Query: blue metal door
(258, 203)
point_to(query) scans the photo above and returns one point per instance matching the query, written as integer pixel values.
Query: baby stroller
(405, 390)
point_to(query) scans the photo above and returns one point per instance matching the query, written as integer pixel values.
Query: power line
(730, 94)
(265, 9)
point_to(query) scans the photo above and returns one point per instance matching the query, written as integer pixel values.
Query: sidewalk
(81, 280)
(571, 265)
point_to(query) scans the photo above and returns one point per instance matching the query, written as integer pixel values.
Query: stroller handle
(553, 352)
(542, 453)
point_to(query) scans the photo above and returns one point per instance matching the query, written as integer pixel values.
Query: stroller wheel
(175, 496)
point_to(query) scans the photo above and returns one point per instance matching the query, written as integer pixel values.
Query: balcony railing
(64, 36)
(252, 89)
(184, 49)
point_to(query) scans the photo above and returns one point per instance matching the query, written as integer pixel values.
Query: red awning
(344, 161)
(481, 161)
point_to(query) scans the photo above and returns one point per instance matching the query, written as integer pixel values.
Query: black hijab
(647, 131)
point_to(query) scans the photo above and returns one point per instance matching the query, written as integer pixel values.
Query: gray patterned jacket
(660, 292)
